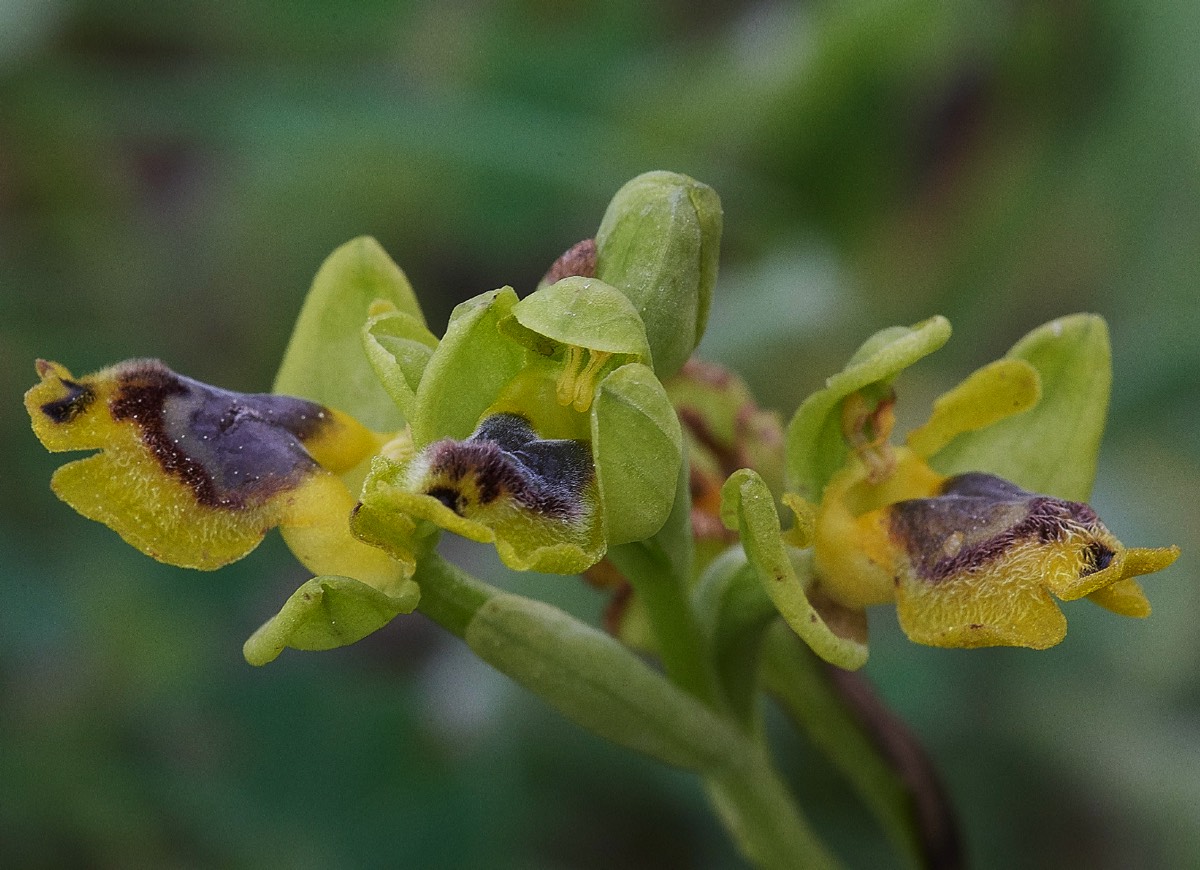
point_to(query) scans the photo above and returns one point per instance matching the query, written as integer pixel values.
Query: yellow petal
(987, 608)
(1124, 598)
(998, 390)
(315, 524)
(977, 565)
(129, 493)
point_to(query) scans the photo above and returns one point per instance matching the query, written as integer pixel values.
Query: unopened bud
(658, 244)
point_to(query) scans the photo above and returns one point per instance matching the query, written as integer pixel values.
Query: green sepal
(596, 682)
(472, 363)
(324, 360)
(658, 243)
(1053, 447)
(328, 612)
(582, 312)
(815, 445)
(746, 498)
(637, 446)
(398, 347)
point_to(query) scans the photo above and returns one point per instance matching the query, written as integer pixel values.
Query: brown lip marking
(75, 402)
(990, 515)
(232, 449)
(505, 457)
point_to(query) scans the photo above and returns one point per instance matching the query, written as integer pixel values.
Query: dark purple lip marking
(75, 402)
(505, 457)
(234, 450)
(990, 515)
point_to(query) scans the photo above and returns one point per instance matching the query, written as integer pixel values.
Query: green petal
(324, 360)
(1052, 448)
(325, 613)
(816, 447)
(585, 312)
(990, 394)
(658, 243)
(746, 498)
(466, 373)
(638, 449)
(398, 346)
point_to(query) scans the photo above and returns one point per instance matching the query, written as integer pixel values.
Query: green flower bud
(658, 243)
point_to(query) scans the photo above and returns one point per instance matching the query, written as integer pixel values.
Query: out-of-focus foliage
(171, 176)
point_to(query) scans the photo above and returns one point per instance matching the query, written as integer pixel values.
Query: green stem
(735, 612)
(681, 644)
(759, 811)
(604, 687)
(450, 596)
(895, 782)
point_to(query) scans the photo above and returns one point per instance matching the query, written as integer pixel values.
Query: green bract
(658, 243)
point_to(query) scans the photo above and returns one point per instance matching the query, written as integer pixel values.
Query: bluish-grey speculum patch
(979, 517)
(505, 458)
(232, 449)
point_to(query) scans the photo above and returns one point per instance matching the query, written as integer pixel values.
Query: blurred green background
(171, 176)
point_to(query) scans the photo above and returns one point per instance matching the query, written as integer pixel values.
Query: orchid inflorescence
(569, 429)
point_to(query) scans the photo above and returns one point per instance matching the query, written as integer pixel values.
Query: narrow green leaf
(324, 360)
(1052, 448)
